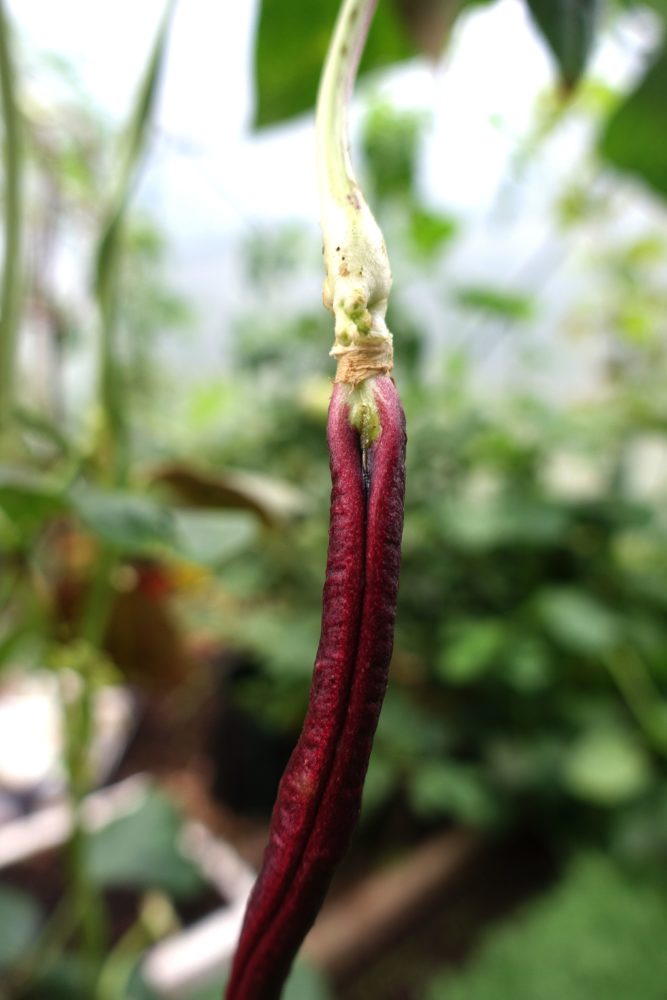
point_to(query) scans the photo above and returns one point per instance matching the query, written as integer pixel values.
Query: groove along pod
(319, 797)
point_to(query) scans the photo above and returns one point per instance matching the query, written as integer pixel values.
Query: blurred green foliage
(529, 681)
(21, 918)
(140, 849)
(599, 933)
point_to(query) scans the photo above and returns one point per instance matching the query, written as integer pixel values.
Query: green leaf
(606, 767)
(390, 149)
(472, 650)
(292, 41)
(578, 621)
(68, 977)
(600, 933)
(508, 520)
(640, 833)
(528, 667)
(632, 138)
(407, 731)
(285, 640)
(20, 918)
(431, 231)
(568, 27)
(441, 788)
(26, 498)
(212, 537)
(126, 521)
(141, 850)
(496, 302)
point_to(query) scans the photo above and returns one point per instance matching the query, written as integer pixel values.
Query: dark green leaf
(20, 918)
(633, 137)
(69, 977)
(379, 784)
(141, 849)
(27, 498)
(126, 521)
(568, 27)
(292, 41)
(406, 731)
(444, 788)
(640, 834)
(285, 641)
(528, 667)
(505, 521)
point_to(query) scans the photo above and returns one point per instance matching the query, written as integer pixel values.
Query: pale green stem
(337, 177)
(108, 258)
(10, 292)
(358, 277)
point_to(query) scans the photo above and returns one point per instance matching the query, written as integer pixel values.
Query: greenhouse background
(164, 484)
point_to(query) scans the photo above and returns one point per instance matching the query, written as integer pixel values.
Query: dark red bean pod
(320, 793)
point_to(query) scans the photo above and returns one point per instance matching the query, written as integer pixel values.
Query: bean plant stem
(337, 179)
(88, 900)
(358, 276)
(10, 291)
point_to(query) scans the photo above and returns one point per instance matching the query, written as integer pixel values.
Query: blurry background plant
(170, 534)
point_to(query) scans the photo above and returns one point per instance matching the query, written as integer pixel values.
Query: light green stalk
(108, 255)
(10, 290)
(358, 276)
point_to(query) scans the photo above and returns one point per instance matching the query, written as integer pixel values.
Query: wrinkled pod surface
(320, 793)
